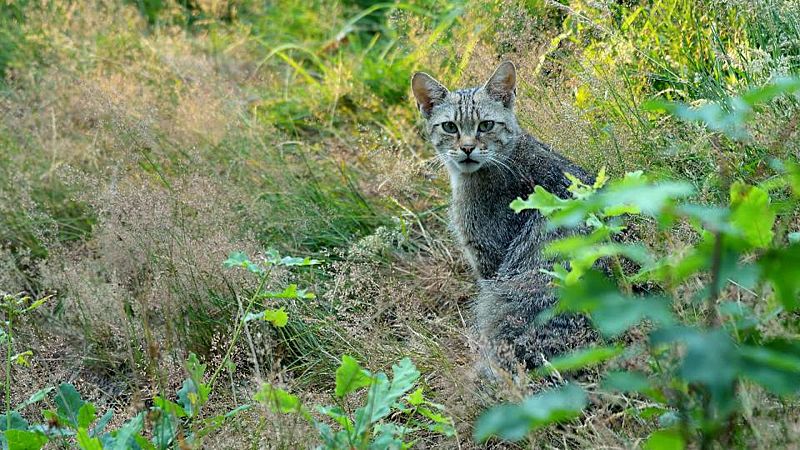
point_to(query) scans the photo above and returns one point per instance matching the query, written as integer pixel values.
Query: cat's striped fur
(489, 167)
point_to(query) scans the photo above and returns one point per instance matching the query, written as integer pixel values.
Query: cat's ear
(502, 85)
(428, 92)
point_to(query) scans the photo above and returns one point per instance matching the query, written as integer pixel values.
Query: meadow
(221, 225)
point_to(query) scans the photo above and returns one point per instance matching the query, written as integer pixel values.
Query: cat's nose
(467, 148)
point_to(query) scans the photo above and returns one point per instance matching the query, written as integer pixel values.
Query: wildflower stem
(238, 329)
(8, 375)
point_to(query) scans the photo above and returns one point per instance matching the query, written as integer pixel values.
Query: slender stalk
(716, 283)
(238, 329)
(8, 374)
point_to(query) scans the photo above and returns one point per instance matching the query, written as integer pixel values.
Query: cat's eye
(485, 126)
(449, 127)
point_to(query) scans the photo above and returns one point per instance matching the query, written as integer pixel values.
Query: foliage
(76, 421)
(697, 367)
(368, 427)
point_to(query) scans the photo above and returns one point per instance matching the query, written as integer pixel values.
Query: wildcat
(491, 161)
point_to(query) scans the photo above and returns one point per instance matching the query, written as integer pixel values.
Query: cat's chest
(484, 225)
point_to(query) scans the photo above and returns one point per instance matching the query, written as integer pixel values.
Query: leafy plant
(697, 367)
(75, 420)
(368, 427)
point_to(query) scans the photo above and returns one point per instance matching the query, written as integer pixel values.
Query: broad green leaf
(382, 394)
(144, 443)
(581, 359)
(164, 430)
(350, 376)
(295, 261)
(649, 199)
(775, 365)
(387, 437)
(192, 396)
(85, 442)
(239, 259)
(610, 310)
(711, 359)
(541, 200)
(69, 403)
(279, 400)
(17, 421)
(169, 407)
(24, 440)
(669, 439)
(514, 422)
(195, 368)
(86, 415)
(752, 214)
(124, 437)
(338, 415)
(782, 268)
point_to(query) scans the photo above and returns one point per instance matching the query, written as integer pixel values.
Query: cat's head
(470, 128)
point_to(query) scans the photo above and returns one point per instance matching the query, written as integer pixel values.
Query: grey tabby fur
(488, 169)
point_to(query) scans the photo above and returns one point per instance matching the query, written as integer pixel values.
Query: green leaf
(38, 396)
(278, 317)
(69, 403)
(290, 291)
(775, 365)
(279, 400)
(127, 432)
(239, 259)
(169, 407)
(24, 440)
(144, 443)
(21, 359)
(302, 262)
(711, 359)
(387, 437)
(514, 422)
(582, 358)
(350, 376)
(86, 415)
(101, 423)
(88, 443)
(382, 394)
(416, 398)
(541, 200)
(649, 199)
(752, 214)
(338, 415)
(669, 439)
(192, 396)
(782, 268)
(626, 382)
(610, 310)
(17, 421)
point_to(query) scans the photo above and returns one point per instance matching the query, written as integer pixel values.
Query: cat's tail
(512, 329)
